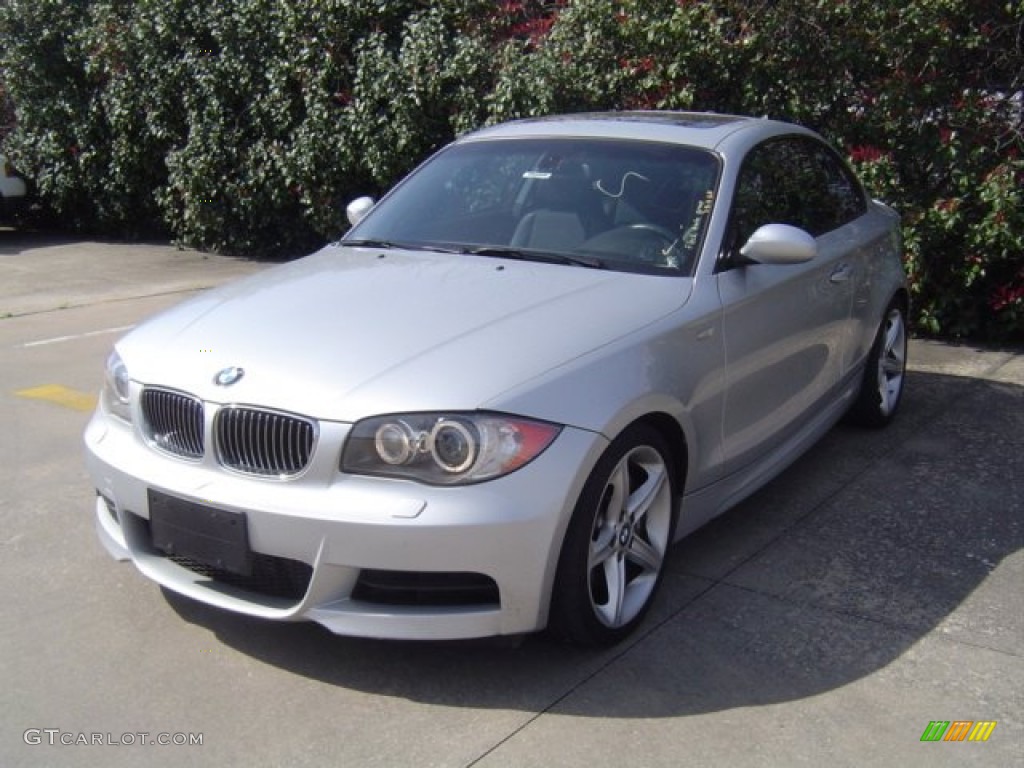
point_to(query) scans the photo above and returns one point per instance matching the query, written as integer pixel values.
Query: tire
(882, 388)
(613, 556)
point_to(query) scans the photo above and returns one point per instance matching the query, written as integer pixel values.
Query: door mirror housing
(779, 244)
(358, 208)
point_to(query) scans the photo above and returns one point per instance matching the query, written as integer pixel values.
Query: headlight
(445, 448)
(117, 388)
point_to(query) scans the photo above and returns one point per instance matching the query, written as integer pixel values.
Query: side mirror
(358, 208)
(779, 244)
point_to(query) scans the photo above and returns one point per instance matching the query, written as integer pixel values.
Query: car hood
(351, 332)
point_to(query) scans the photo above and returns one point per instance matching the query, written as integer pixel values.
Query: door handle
(841, 274)
(705, 333)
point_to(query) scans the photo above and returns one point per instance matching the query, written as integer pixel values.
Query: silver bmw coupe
(555, 348)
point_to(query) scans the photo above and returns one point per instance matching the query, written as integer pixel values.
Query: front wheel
(613, 556)
(882, 388)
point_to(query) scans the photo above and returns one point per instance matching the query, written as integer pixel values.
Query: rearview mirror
(358, 208)
(779, 244)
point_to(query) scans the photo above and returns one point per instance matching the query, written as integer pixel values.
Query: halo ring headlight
(453, 445)
(395, 443)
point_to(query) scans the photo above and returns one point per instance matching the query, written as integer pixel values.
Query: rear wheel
(882, 388)
(613, 556)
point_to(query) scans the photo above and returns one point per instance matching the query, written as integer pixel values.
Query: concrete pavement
(42, 273)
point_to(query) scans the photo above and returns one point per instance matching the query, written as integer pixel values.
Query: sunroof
(684, 119)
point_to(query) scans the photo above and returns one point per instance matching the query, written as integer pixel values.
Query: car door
(786, 327)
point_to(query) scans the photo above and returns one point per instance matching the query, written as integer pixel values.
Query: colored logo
(958, 730)
(228, 376)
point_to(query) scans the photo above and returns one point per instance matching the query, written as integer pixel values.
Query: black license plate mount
(214, 537)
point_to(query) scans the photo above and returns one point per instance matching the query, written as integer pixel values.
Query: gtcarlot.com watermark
(56, 737)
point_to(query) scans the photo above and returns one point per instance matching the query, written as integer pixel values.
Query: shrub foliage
(244, 126)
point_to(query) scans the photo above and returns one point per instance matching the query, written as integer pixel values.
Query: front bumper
(338, 528)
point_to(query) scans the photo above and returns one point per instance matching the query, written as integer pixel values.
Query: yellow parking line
(55, 393)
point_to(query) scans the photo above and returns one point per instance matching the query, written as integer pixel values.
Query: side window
(843, 198)
(764, 192)
(797, 181)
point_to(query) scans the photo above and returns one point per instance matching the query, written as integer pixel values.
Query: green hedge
(240, 126)
(244, 126)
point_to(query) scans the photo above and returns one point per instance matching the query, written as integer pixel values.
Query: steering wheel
(657, 229)
(665, 252)
(639, 242)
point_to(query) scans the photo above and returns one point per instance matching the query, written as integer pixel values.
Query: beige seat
(561, 217)
(549, 230)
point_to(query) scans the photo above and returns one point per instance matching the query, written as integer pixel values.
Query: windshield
(629, 205)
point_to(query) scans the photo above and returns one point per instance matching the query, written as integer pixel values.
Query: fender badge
(228, 376)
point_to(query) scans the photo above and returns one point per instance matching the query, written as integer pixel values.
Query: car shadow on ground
(869, 543)
(16, 240)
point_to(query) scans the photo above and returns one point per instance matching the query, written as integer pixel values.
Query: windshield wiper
(547, 257)
(368, 243)
(384, 244)
(500, 251)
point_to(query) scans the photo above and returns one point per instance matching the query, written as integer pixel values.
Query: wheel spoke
(899, 352)
(894, 352)
(603, 548)
(614, 573)
(893, 334)
(642, 498)
(892, 366)
(619, 483)
(644, 554)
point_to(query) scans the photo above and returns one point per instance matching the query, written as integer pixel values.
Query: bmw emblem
(228, 376)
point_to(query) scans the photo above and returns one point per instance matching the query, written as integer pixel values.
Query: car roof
(699, 129)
